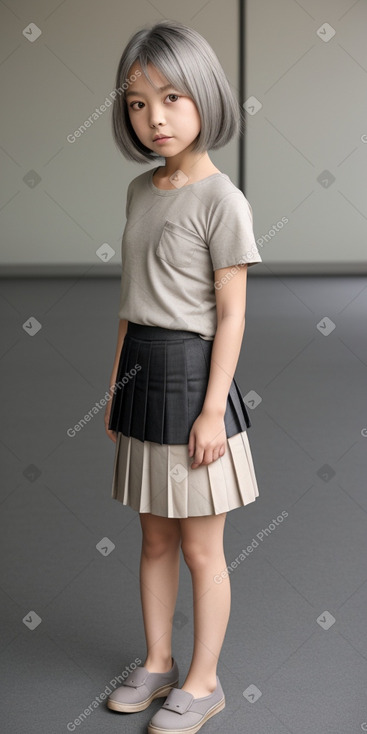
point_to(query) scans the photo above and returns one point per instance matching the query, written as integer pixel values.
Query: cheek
(134, 121)
(195, 116)
(196, 124)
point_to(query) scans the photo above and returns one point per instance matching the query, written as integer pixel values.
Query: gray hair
(189, 63)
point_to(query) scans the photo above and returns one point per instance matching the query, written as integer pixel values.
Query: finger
(198, 457)
(191, 444)
(208, 456)
(203, 458)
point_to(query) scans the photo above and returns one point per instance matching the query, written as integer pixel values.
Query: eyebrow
(141, 94)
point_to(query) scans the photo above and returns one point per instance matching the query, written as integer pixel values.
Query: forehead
(141, 82)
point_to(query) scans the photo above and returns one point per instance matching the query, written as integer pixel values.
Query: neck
(193, 165)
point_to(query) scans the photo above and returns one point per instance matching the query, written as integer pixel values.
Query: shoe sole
(141, 705)
(189, 729)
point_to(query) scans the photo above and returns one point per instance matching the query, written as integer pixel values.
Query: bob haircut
(189, 63)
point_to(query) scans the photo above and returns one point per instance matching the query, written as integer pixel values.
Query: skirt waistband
(143, 331)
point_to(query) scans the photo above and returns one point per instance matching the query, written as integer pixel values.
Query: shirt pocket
(178, 245)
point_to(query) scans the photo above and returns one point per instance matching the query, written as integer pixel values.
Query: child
(182, 456)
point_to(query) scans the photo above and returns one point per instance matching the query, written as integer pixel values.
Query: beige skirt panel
(157, 478)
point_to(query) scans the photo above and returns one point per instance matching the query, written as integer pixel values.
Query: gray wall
(306, 147)
(72, 200)
(61, 201)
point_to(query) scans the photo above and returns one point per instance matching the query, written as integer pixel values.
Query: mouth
(161, 138)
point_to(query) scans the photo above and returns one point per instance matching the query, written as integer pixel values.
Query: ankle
(160, 664)
(202, 686)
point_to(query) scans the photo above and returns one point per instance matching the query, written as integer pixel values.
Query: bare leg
(202, 546)
(159, 577)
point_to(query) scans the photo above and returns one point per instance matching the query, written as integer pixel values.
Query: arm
(208, 436)
(231, 307)
(122, 329)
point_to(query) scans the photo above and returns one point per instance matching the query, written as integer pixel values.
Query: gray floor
(294, 658)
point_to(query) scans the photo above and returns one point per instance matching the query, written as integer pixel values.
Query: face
(166, 112)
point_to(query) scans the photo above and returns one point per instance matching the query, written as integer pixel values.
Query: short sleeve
(230, 235)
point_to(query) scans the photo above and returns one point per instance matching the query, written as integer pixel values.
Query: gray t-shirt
(173, 241)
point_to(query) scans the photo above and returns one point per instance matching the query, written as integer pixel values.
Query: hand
(207, 439)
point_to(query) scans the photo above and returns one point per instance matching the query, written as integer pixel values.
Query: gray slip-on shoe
(141, 687)
(181, 713)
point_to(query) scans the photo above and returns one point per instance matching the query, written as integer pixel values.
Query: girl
(177, 415)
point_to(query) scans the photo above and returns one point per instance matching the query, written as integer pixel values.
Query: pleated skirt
(160, 388)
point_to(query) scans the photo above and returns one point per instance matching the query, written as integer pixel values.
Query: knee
(196, 556)
(155, 545)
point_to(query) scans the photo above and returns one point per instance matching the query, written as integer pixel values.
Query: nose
(156, 115)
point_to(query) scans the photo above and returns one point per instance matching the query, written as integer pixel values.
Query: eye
(142, 103)
(132, 105)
